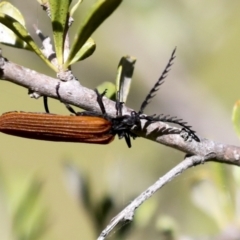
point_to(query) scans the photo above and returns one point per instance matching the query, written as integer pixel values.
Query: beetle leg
(99, 100)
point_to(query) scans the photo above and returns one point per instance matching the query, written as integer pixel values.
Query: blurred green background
(201, 88)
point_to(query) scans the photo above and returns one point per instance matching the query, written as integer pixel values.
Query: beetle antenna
(167, 118)
(158, 83)
(186, 128)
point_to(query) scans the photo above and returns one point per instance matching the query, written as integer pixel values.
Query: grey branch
(73, 93)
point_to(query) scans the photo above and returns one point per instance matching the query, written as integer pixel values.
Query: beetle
(89, 127)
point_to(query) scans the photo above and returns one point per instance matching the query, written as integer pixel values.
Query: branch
(127, 213)
(72, 92)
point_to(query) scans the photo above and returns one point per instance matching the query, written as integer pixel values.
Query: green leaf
(110, 89)
(23, 34)
(59, 18)
(87, 50)
(124, 77)
(10, 10)
(236, 117)
(101, 10)
(7, 36)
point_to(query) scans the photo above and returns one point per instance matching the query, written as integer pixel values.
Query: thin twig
(127, 213)
(47, 47)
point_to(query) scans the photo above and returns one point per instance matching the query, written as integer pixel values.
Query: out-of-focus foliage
(236, 117)
(219, 203)
(100, 211)
(28, 217)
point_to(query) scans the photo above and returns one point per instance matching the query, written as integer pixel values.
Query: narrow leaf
(124, 77)
(59, 18)
(7, 36)
(101, 10)
(23, 34)
(87, 50)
